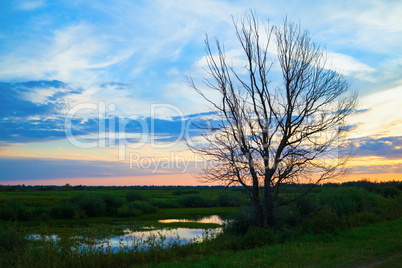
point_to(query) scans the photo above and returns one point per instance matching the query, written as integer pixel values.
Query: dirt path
(395, 260)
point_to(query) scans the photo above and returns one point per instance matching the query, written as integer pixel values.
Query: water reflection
(160, 238)
(208, 219)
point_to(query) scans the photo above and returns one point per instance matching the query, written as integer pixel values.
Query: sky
(75, 74)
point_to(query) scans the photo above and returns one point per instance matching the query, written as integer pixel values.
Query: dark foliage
(194, 201)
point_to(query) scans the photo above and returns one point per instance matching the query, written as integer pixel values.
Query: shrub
(228, 200)
(40, 212)
(287, 216)
(306, 205)
(191, 191)
(65, 210)
(241, 221)
(399, 186)
(325, 221)
(126, 211)
(143, 206)
(389, 209)
(92, 204)
(194, 201)
(390, 192)
(182, 192)
(177, 192)
(257, 237)
(112, 202)
(346, 201)
(165, 204)
(295, 213)
(134, 196)
(14, 209)
(368, 185)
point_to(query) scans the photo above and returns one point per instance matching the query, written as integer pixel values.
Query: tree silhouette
(271, 134)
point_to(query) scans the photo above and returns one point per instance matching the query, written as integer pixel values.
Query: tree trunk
(258, 210)
(269, 205)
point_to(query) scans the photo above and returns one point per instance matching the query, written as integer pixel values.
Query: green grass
(323, 240)
(37, 206)
(365, 244)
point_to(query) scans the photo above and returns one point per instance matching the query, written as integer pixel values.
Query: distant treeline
(365, 183)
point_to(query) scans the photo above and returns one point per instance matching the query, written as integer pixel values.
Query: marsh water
(150, 237)
(162, 238)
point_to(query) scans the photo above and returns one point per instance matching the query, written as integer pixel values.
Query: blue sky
(134, 54)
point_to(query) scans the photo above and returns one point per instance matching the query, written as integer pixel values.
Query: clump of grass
(11, 239)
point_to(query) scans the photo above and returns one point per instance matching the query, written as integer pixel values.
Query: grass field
(333, 226)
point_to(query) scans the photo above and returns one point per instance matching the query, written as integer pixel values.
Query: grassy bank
(360, 246)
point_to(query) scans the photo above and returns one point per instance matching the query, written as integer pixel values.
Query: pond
(159, 238)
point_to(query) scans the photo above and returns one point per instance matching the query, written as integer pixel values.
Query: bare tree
(273, 133)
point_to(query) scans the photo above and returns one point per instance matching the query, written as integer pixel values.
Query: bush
(112, 202)
(390, 192)
(368, 185)
(228, 200)
(346, 201)
(295, 213)
(325, 221)
(65, 210)
(134, 196)
(143, 206)
(40, 212)
(165, 204)
(194, 201)
(241, 221)
(177, 192)
(126, 211)
(389, 209)
(288, 216)
(14, 209)
(399, 186)
(92, 204)
(182, 192)
(257, 237)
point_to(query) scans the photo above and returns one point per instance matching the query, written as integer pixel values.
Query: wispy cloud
(350, 66)
(30, 4)
(74, 54)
